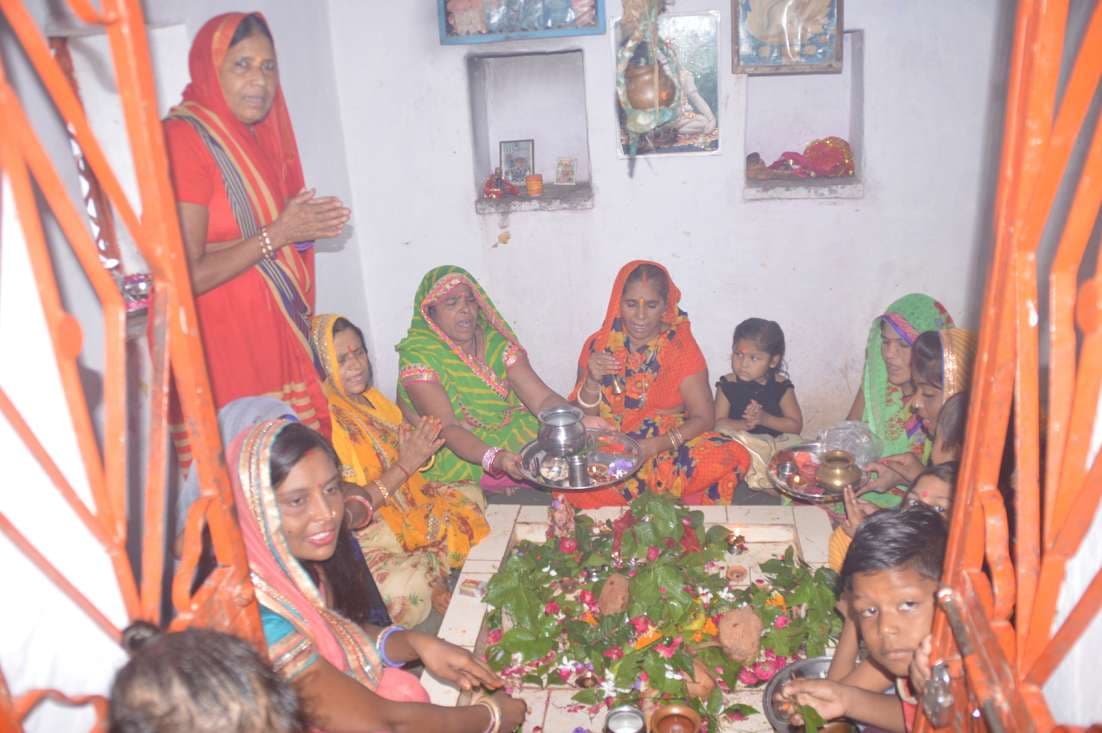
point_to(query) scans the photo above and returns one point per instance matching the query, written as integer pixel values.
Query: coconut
(614, 595)
(740, 634)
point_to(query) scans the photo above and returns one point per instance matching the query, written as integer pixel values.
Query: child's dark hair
(946, 472)
(199, 681)
(926, 356)
(951, 422)
(890, 540)
(767, 335)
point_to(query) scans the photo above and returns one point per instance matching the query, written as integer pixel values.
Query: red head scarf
(672, 317)
(270, 146)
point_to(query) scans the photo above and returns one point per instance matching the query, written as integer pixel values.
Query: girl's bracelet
(357, 499)
(380, 645)
(488, 459)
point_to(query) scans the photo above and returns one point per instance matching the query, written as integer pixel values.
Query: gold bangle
(589, 405)
(495, 713)
(382, 490)
(428, 464)
(266, 248)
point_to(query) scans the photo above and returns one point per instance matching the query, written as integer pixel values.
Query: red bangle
(367, 506)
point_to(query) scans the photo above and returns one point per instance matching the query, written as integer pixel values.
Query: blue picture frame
(449, 37)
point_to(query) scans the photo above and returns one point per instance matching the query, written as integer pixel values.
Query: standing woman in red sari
(643, 372)
(248, 222)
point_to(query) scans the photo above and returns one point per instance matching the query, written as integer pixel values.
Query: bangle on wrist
(266, 248)
(380, 645)
(428, 464)
(589, 405)
(382, 490)
(357, 499)
(488, 459)
(495, 713)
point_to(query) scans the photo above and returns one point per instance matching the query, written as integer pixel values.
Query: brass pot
(642, 90)
(675, 717)
(837, 470)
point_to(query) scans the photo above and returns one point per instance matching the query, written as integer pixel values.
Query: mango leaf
(740, 709)
(715, 701)
(586, 697)
(812, 720)
(628, 669)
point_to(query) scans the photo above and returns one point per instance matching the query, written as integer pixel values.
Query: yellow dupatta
(365, 436)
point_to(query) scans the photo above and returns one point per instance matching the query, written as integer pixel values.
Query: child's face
(933, 492)
(750, 363)
(926, 402)
(895, 610)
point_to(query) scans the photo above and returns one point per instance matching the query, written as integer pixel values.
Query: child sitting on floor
(890, 577)
(756, 403)
(757, 395)
(199, 681)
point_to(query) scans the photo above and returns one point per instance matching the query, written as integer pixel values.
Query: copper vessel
(644, 91)
(837, 470)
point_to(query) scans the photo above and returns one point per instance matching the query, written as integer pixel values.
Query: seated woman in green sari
(884, 401)
(461, 362)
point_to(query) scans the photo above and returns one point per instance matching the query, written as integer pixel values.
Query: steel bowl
(813, 668)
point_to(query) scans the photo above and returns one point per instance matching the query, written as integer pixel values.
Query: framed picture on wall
(566, 171)
(786, 36)
(518, 158)
(488, 21)
(690, 68)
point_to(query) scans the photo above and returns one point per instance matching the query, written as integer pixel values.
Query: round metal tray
(602, 449)
(805, 488)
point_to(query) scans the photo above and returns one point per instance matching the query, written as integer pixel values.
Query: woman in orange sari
(239, 189)
(644, 373)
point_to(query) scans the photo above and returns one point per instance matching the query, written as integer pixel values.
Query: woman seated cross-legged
(643, 372)
(422, 530)
(312, 589)
(461, 363)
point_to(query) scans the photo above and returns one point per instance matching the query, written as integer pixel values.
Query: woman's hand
(829, 698)
(906, 465)
(856, 511)
(602, 364)
(513, 711)
(450, 663)
(307, 217)
(416, 445)
(508, 463)
(886, 477)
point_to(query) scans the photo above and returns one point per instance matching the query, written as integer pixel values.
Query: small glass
(625, 719)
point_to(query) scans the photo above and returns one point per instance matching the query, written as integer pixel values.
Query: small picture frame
(786, 37)
(517, 160)
(566, 170)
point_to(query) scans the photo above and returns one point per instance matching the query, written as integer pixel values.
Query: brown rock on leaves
(614, 595)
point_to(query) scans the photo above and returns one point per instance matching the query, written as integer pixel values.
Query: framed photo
(786, 36)
(565, 171)
(692, 40)
(488, 21)
(517, 160)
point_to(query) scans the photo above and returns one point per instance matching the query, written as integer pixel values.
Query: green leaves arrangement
(546, 626)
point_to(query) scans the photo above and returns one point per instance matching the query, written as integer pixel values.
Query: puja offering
(812, 668)
(568, 456)
(653, 611)
(809, 473)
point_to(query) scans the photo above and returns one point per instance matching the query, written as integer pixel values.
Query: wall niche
(538, 97)
(786, 112)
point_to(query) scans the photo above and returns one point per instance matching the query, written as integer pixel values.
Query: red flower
(614, 653)
(621, 525)
(551, 608)
(586, 597)
(689, 541)
(564, 674)
(747, 677)
(764, 671)
(668, 650)
(641, 624)
(781, 621)
(568, 545)
(653, 553)
(494, 636)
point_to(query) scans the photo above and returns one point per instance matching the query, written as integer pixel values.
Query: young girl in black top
(757, 395)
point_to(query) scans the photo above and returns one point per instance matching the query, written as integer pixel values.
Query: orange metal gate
(226, 600)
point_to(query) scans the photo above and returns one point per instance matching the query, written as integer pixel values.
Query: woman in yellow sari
(420, 531)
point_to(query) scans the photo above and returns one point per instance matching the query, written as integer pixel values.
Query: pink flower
(494, 636)
(747, 677)
(644, 677)
(586, 597)
(764, 671)
(686, 521)
(641, 624)
(668, 650)
(614, 653)
(653, 553)
(564, 674)
(568, 545)
(781, 621)
(551, 608)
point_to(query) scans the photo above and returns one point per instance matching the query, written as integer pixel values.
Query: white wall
(823, 269)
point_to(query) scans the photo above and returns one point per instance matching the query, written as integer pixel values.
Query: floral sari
(704, 470)
(478, 390)
(426, 529)
(298, 624)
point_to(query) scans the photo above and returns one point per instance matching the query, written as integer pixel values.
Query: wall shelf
(554, 198)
